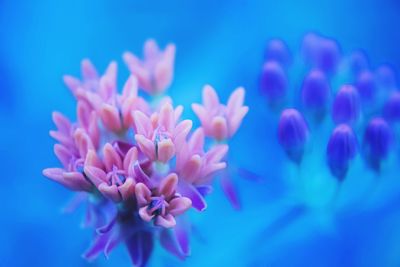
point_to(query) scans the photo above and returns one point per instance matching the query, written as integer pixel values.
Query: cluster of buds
(364, 104)
(137, 164)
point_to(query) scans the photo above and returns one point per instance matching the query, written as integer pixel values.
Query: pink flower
(72, 150)
(160, 135)
(220, 121)
(91, 80)
(196, 166)
(114, 177)
(156, 71)
(163, 204)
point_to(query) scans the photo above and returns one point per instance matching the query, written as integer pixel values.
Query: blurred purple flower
(346, 106)
(273, 82)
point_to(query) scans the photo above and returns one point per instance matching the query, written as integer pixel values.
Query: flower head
(392, 108)
(155, 71)
(293, 134)
(163, 203)
(218, 120)
(366, 86)
(376, 143)
(346, 106)
(278, 51)
(273, 82)
(341, 149)
(315, 94)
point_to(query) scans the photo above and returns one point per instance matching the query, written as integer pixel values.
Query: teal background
(220, 43)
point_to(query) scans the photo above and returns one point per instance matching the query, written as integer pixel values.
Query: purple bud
(346, 106)
(366, 86)
(328, 56)
(386, 76)
(309, 46)
(315, 93)
(376, 143)
(358, 62)
(392, 108)
(293, 134)
(273, 82)
(278, 51)
(341, 149)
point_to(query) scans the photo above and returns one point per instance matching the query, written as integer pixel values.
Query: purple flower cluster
(132, 158)
(363, 103)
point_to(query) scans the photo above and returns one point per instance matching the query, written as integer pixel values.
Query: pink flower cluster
(136, 163)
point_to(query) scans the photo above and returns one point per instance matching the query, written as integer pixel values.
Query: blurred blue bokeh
(218, 42)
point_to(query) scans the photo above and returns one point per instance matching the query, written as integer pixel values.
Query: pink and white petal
(83, 142)
(196, 141)
(110, 192)
(235, 101)
(77, 181)
(93, 160)
(219, 128)
(145, 215)
(130, 158)
(111, 157)
(83, 111)
(191, 169)
(151, 50)
(168, 185)
(209, 170)
(167, 221)
(111, 73)
(146, 146)
(63, 138)
(236, 120)
(165, 150)
(166, 118)
(93, 129)
(169, 54)
(88, 70)
(143, 194)
(183, 127)
(162, 75)
(216, 153)
(127, 189)
(203, 116)
(55, 174)
(130, 88)
(96, 175)
(179, 205)
(63, 124)
(72, 83)
(210, 97)
(63, 154)
(178, 112)
(143, 124)
(110, 117)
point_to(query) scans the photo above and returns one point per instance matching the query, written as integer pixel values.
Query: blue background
(218, 42)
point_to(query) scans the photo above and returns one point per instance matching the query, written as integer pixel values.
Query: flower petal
(168, 185)
(143, 194)
(210, 97)
(166, 221)
(111, 157)
(110, 117)
(165, 150)
(179, 205)
(145, 215)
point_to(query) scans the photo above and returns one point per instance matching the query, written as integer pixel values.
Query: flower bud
(273, 82)
(366, 86)
(328, 55)
(376, 143)
(278, 51)
(358, 62)
(315, 93)
(293, 134)
(346, 106)
(392, 108)
(341, 149)
(386, 77)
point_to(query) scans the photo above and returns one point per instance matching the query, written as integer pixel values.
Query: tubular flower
(156, 70)
(220, 121)
(135, 164)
